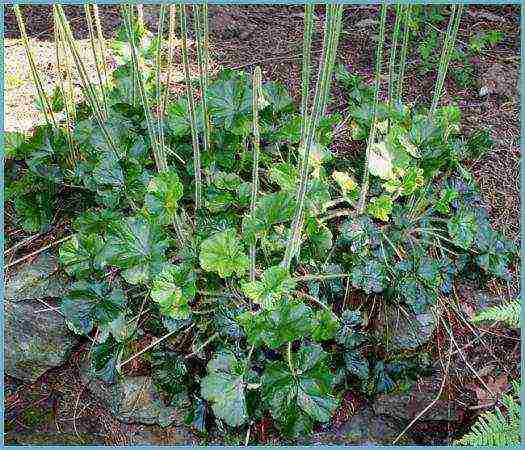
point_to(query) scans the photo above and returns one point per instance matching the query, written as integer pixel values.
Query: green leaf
(271, 209)
(369, 276)
(13, 144)
(173, 289)
(325, 326)
(462, 229)
(82, 254)
(348, 333)
(285, 175)
(277, 95)
(288, 321)
(230, 99)
(223, 253)
(137, 247)
(275, 283)
(163, 193)
(224, 386)
(380, 207)
(356, 364)
(304, 389)
(448, 195)
(227, 181)
(89, 304)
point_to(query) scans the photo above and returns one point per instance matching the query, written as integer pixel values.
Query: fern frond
(508, 313)
(495, 428)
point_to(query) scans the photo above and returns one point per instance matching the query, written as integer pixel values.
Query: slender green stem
(191, 108)
(371, 137)
(393, 51)
(306, 69)
(44, 101)
(160, 111)
(103, 51)
(332, 26)
(448, 46)
(171, 52)
(158, 152)
(91, 31)
(61, 57)
(256, 87)
(404, 51)
(140, 15)
(199, 26)
(82, 73)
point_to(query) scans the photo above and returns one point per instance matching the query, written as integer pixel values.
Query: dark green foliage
(281, 344)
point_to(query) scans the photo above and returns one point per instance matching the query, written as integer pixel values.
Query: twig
(38, 251)
(202, 346)
(145, 349)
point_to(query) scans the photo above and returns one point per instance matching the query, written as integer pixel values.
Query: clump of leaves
(282, 342)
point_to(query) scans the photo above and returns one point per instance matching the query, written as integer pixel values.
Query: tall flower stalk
(191, 108)
(256, 87)
(446, 54)
(332, 26)
(87, 86)
(158, 152)
(97, 58)
(200, 16)
(404, 51)
(379, 63)
(393, 51)
(171, 52)
(307, 62)
(44, 100)
(66, 91)
(160, 110)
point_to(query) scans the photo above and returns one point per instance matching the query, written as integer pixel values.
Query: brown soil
(271, 37)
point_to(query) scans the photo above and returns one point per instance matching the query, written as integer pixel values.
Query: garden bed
(271, 37)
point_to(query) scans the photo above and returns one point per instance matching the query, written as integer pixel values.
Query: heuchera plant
(288, 342)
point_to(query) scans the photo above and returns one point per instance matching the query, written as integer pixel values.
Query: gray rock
(38, 279)
(404, 330)
(405, 407)
(132, 399)
(35, 339)
(364, 428)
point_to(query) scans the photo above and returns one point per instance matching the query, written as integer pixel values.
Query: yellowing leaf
(380, 162)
